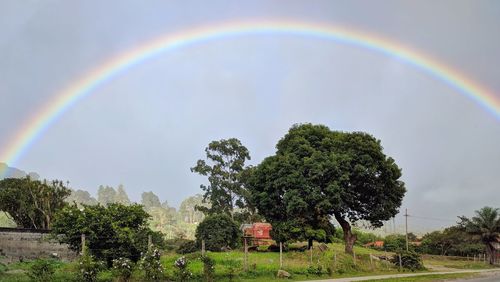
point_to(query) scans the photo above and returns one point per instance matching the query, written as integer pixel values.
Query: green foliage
(219, 231)
(409, 260)
(208, 268)
(123, 268)
(224, 167)
(447, 242)
(32, 203)
(317, 173)
(151, 265)
(182, 272)
(111, 232)
(365, 237)
(42, 270)
(485, 225)
(3, 268)
(188, 247)
(88, 268)
(315, 270)
(395, 242)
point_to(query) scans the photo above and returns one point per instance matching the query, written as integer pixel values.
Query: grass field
(263, 266)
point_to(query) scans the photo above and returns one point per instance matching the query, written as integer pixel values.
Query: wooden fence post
(246, 254)
(281, 255)
(150, 242)
(371, 261)
(83, 244)
(354, 256)
(202, 247)
(400, 263)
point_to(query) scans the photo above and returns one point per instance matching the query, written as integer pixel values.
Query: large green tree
(485, 225)
(224, 164)
(219, 231)
(32, 203)
(317, 173)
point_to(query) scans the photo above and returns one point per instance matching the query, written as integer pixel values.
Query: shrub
(409, 260)
(88, 268)
(182, 273)
(122, 268)
(219, 231)
(318, 270)
(151, 265)
(111, 231)
(187, 247)
(208, 268)
(3, 268)
(41, 270)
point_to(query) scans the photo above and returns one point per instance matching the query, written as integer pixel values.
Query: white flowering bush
(181, 271)
(88, 268)
(123, 268)
(151, 265)
(208, 268)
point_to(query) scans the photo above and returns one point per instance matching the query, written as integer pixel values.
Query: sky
(146, 127)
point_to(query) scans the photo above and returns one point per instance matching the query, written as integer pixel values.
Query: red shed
(261, 230)
(258, 232)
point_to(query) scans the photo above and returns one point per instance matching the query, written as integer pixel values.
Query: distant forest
(173, 223)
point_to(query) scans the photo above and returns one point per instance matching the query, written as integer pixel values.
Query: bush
(187, 247)
(41, 270)
(122, 268)
(208, 268)
(88, 268)
(151, 265)
(182, 273)
(219, 231)
(113, 231)
(409, 260)
(3, 268)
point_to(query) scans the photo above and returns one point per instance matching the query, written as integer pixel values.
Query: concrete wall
(17, 244)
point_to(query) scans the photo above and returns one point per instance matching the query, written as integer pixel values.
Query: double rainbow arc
(84, 86)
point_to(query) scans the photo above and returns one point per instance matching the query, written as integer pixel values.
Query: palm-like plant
(486, 226)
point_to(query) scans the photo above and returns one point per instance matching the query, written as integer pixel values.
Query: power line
(431, 218)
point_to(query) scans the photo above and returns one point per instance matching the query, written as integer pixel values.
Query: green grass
(455, 263)
(263, 266)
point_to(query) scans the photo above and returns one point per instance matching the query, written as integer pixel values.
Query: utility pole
(406, 216)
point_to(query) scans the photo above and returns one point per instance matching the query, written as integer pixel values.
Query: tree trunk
(349, 238)
(490, 251)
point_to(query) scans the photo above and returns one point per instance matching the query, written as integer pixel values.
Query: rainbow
(84, 86)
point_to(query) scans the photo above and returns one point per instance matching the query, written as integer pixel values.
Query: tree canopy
(224, 164)
(32, 203)
(317, 173)
(111, 231)
(485, 225)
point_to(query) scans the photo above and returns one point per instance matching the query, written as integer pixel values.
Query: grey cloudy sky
(148, 126)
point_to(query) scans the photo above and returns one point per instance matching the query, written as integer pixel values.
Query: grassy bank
(263, 266)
